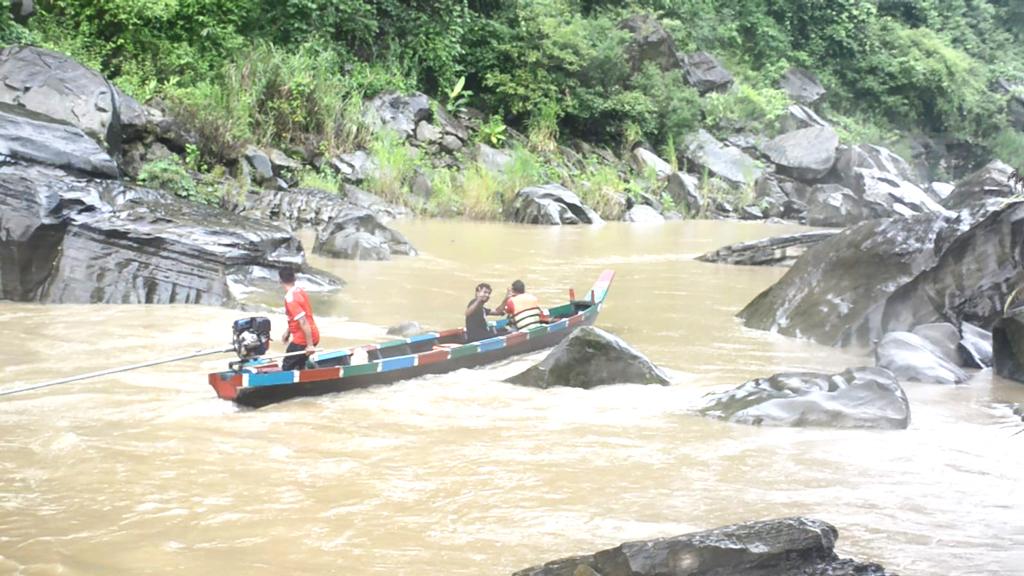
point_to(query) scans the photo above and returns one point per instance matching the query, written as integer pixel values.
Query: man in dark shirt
(476, 312)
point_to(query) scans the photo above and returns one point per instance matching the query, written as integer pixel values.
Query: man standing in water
(302, 329)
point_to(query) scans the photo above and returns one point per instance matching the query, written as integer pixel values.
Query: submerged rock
(550, 204)
(857, 398)
(780, 547)
(774, 251)
(911, 357)
(591, 357)
(1008, 346)
(405, 329)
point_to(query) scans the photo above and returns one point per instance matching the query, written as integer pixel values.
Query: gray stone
(798, 117)
(57, 86)
(451, 143)
(355, 167)
(991, 181)
(857, 398)
(427, 133)
(703, 72)
(911, 357)
(774, 251)
(801, 85)
(685, 192)
(780, 547)
(834, 205)
(405, 329)
(492, 159)
(874, 158)
(420, 185)
(357, 233)
(806, 154)
(281, 162)
(65, 239)
(940, 190)
(550, 204)
(975, 346)
(1008, 346)
(644, 214)
(882, 195)
(22, 10)
(729, 163)
(262, 169)
(591, 357)
(644, 160)
(398, 112)
(751, 213)
(650, 43)
(943, 337)
(37, 138)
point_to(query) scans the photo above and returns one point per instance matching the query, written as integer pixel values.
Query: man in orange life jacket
(523, 308)
(302, 329)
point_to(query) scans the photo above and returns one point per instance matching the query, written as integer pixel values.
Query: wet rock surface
(1008, 346)
(774, 251)
(919, 270)
(591, 357)
(975, 346)
(781, 547)
(806, 154)
(358, 234)
(729, 163)
(36, 138)
(911, 357)
(991, 181)
(865, 397)
(75, 240)
(550, 204)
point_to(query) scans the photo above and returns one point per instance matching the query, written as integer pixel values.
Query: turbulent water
(149, 473)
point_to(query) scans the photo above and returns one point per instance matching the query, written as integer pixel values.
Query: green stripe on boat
(360, 369)
(465, 350)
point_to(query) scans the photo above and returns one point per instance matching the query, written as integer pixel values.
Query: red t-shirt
(296, 306)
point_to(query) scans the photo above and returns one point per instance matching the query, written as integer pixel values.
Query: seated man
(476, 312)
(523, 308)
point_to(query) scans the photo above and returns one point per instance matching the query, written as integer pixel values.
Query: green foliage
(744, 108)
(169, 174)
(395, 165)
(492, 132)
(194, 158)
(542, 127)
(602, 188)
(458, 96)
(324, 179)
(1008, 146)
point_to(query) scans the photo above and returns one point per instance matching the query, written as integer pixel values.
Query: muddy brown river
(147, 472)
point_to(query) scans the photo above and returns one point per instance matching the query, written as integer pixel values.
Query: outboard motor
(251, 337)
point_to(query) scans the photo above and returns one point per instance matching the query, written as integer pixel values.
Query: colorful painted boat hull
(421, 355)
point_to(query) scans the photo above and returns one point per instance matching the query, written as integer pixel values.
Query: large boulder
(65, 239)
(684, 189)
(57, 86)
(1008, 346)
(22, 10)
(650, 43)
(398, 112)
(798, 117)
(705, 73)
(835, 293)
(895, 274)
(944, 338)
(991, 181)
(835, 205)
(355, 166)
(883, 194)
(644, 160)
(550, 204)
(358, 234)
(492, 159)
(911, 357)
(643, 214)
(801, 86)
(806, 154)
(872, 157)
(975, 346)
(703, 152)
(40, 139)
(591, 357)
(774, 251)
(857, 398)
(780, 547)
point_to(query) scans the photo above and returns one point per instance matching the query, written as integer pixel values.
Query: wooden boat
(259, 382)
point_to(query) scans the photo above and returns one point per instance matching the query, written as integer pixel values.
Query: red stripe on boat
(575, 320)
(433, 357)
(515, 338)
(226, 388)
(319, 374)
(450, 332)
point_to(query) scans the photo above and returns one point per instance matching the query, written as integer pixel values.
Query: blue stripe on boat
(560, 325)
(271, 379)
(333, 355)
(491, 344)
(398, 363)
(422, 337)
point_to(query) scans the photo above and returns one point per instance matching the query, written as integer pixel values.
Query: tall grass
(395, 165)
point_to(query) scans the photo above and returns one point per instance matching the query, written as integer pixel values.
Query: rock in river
(591, 357)
(911, 357)
(780, 547)
(857, 398)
